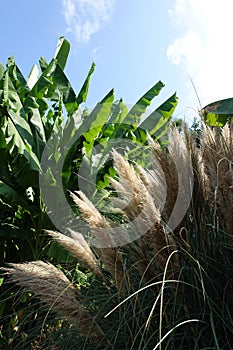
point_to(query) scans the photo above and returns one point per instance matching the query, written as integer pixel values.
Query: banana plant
(30, 112)
(46, 137)
(41, 118)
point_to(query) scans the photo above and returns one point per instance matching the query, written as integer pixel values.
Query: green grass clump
(160, 290)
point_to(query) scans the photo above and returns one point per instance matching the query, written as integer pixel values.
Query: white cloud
(85, 17)
(205, 48)
(183, 48)
(95, 54)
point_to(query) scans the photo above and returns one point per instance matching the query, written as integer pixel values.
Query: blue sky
(134, 43)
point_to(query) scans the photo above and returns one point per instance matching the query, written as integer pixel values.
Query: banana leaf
(218, 113)
(158, 120)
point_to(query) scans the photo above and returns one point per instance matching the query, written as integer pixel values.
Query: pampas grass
(100, 229)
(52, 287)
(217, 159)
(78, 248)
(159, 287)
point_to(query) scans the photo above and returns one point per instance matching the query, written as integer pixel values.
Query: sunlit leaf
(219, 112)
(62, 52)
(82, 95)
(160, 116)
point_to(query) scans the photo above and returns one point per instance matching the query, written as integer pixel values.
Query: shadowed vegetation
(132, 270)
(160, 290)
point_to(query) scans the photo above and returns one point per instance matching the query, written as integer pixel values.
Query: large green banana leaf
(17, 128)
(218, 113)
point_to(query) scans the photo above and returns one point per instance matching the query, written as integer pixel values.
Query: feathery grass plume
(138, 205)
(155, 183)
(53, 288)
(102, 233)
(201, 190)
(134, 194)
(89, 212)
(202, 181)
(79, 249)
(217, 157)
(181, 158)
(209, 154)
(168, 177)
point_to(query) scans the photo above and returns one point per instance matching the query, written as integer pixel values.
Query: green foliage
(41, 119)
(218, 113)
(189, 307)
(47, 139)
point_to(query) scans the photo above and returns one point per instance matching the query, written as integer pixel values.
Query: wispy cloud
(95, 53)
(205, 47)
(85, 17)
